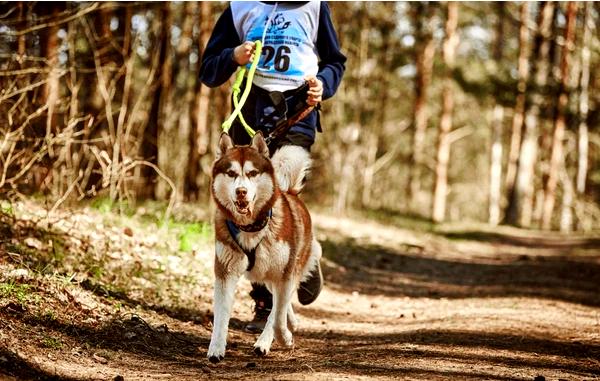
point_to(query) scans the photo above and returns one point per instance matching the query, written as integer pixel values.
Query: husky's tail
(291, 164)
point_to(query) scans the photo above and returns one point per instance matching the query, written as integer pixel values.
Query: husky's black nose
(241, 192)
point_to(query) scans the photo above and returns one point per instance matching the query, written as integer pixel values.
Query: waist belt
(289, 108)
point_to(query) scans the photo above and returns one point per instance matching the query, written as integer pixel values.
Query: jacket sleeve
(217, 60)
(331, 59)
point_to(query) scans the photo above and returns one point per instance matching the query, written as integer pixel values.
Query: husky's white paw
(261, 349)
(284, 337)
(263, 344)
(216, 352)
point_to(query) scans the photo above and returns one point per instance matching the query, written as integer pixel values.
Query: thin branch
(77, 15)
(459, 133)
(67, 193)
(30, 87)
(31, 70)
(121, 122)
(163, 176)
(26, 168)
(381, 162)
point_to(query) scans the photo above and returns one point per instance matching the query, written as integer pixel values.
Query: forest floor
(88, 294)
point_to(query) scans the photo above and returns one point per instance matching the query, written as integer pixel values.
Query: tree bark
(443, 149)
(422, 15)
(519, 109)
(49, 96)
(175, 122)
(520, 206)
(559, 124)
(149, 146)
(21, 25)
(568, 199)
(201, 133)
(583, 133)
(373, 135)
(166, 125)
(352, 151)
(49, 50)
(497, 120)
(496, 165)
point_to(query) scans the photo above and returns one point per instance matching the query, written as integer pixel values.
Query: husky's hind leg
(292, 320)
(276, 326)
(283, 299)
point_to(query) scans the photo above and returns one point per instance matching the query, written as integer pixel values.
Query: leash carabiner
(239, 103)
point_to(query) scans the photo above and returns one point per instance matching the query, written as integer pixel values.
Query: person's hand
(315, 90)
(244, 53)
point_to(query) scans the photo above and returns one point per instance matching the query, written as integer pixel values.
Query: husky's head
(243, 180)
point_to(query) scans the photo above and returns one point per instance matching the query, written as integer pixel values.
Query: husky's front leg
(276, 326)
(222, 303)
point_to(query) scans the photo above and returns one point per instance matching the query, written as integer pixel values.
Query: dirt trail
(398, 304)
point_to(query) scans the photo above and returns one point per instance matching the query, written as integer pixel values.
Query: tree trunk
(175, 124)
(497, 118)
(149, 148)
(519, 109)
(582, 133)
(373, 135)
(21, 25)
(104, 49)
(496, 165)
(352, 151)
(559, 123)
(424, 51)
(201, 133)
(49, 50)
(443, 149)
(165, 116)
(49, 46)
(520, 206)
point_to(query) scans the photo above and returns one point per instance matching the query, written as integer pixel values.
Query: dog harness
(235, 229)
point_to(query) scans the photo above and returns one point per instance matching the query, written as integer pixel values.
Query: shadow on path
(375, 270)
(367, 352)
(533, 241)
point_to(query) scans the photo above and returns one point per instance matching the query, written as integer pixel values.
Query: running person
(301, 64)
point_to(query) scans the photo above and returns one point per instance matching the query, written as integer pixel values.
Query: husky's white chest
(271, 260)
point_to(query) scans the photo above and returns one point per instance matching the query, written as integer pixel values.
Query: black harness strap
(235, 229)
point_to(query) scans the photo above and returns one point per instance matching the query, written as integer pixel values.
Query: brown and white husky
(263, 231)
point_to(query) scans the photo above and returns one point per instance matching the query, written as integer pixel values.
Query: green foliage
(20, 292)
(96, 270)
(103, 204)
(6, 208)
(106, 205)
(52, 342)
(47, 315)
(193, 233)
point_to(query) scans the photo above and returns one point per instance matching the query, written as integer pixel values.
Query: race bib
(289, 53)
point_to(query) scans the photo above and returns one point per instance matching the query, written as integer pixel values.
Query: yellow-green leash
(238, 104)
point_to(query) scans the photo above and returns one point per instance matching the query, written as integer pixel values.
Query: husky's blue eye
(252, 173)
(231, 173)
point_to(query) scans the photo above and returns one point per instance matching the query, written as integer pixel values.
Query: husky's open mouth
(243, 207)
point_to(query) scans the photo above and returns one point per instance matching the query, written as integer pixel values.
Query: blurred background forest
(449, 111)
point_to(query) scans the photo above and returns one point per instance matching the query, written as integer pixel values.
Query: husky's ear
(259, 144)
(225, 143)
